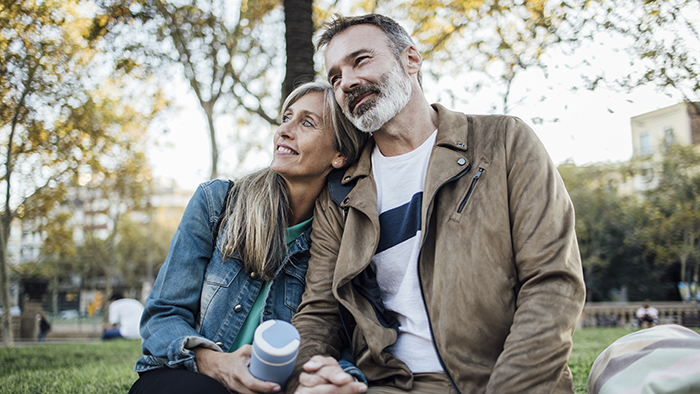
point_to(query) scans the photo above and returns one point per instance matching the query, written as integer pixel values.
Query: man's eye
(334, 80)
(360, 59)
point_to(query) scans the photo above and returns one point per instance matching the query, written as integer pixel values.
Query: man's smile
(360, 95)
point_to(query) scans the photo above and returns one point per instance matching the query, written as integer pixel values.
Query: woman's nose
(285, 130)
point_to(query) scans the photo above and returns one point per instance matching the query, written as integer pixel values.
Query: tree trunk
(5, 224)
(299, 30)
(7, 336)
(208, 107)
(694, 296)
(54, 294)
(684, 259)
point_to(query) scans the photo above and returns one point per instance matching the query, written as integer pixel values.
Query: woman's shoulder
(216, 185)
(215, 189)
(209, 197)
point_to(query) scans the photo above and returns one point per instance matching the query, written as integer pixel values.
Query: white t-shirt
(651, 312)
(127, 313)
(400, 181)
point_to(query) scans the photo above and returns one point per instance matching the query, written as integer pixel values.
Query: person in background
(44, 327)
(647, 315)
(451, 264)
(239, 257)
(124, 317)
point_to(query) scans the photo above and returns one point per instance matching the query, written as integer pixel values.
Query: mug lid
(277, 338)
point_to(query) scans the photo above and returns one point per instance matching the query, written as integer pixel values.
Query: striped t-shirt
(400, 181)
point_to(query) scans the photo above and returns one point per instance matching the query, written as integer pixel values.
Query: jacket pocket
(220, 273)
(472, 186)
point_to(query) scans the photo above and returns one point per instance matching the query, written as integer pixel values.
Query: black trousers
(176, 381)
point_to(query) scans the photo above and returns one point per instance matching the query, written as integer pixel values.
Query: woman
(227, 272)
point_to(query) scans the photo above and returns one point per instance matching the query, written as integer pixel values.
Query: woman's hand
(231, 370)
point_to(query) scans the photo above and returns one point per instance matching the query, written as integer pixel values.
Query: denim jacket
(201, 299)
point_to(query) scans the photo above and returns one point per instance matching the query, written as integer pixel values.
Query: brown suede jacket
(499, 266)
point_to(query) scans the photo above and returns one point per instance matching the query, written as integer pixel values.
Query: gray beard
(395, 91)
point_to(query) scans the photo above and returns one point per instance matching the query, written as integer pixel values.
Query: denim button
(219, 344)
(237, 308)
(253, 275)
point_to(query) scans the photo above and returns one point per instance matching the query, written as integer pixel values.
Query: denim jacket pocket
(221, 272)
(219, 275)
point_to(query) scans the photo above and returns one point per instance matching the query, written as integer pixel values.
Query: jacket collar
(453, 129)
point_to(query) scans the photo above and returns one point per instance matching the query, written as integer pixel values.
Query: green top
(247, 332)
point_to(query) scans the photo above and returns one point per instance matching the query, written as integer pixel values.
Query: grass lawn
(98, 367)
(107, 367)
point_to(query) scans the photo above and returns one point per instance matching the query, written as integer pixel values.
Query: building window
(668, 136)
(645, 144)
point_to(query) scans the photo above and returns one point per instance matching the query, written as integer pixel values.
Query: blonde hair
(257, 214)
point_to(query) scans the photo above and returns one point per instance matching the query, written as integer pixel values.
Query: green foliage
(491, 41)
(142, 246)
(66, 112)
(224, 51)
(647, 242)
(661, 37)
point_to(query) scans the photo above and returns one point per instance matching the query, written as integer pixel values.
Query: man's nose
(349, 81)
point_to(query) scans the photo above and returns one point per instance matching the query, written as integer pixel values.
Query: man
(124, 317)
(451, 264)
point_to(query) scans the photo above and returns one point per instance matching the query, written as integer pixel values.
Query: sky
(590, 126)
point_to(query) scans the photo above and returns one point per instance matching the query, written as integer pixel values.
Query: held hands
(231, 370)
(324, 375)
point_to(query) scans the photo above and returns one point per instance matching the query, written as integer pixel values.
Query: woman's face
(304, 142)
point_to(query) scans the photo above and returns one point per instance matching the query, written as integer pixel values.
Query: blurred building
(92, 215)
(653, 132)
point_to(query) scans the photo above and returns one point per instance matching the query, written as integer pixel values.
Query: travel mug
(275, 348)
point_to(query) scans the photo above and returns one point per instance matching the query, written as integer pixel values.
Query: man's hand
(324, 375)
(231, 370)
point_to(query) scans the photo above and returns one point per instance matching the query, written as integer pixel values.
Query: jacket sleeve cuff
(351, 369)
(180, 353)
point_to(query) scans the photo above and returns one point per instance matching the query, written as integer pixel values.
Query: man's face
(370, 84)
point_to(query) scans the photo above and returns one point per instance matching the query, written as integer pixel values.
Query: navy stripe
(399, 224)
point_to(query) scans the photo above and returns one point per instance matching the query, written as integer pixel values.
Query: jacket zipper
(420, 280)
(476, 178)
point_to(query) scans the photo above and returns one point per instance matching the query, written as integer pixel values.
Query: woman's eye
(308, 123)
(286, 118)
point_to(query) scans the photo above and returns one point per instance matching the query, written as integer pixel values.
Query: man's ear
(413, 59)
(339, 161)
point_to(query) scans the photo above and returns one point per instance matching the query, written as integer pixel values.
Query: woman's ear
(339, 161)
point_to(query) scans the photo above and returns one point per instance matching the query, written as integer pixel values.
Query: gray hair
(399, 39)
